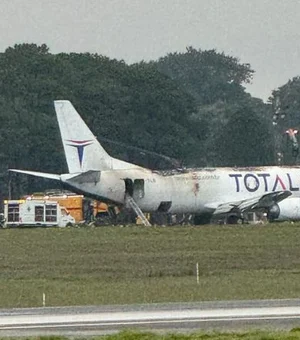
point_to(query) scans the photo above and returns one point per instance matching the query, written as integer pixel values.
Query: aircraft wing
(259, 202)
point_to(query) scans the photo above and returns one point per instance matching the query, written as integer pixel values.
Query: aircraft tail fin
(82, 149)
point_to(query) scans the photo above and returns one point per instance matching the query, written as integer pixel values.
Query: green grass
(131, 335)
(258, 335)
(114, 265)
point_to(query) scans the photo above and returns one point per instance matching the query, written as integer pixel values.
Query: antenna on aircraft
(173, 161)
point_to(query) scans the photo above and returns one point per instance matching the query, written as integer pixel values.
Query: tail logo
(79, 145)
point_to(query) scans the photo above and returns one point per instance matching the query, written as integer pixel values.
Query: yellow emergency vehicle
(80, 207)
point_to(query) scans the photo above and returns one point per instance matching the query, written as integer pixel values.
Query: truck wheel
(69, 225)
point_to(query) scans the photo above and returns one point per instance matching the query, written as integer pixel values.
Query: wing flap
(259, 202)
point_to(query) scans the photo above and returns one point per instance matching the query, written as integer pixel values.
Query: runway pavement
(225, 315)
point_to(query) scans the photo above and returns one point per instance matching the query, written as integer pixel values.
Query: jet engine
(286, 210)
(273, 212)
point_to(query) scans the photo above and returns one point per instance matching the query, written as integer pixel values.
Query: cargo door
(138, 189)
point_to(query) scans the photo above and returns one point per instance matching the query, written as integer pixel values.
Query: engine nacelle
(273, 212)
(286, 210)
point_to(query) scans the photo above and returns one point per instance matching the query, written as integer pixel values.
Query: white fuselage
(94, 172)
(193, 191)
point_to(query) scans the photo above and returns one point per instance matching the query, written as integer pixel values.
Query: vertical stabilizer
(82, 149)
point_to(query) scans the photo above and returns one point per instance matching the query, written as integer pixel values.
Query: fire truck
(80, 207)
(45, 213)
(73, 203)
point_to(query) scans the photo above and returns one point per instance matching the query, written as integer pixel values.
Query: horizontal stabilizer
(38, 174)
(259, 202)
(91, 176)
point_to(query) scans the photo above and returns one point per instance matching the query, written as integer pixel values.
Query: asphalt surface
(174, 317)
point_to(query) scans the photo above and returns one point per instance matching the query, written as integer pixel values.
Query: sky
(263, 33)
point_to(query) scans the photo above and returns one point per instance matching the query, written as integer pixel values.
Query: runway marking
(148, 315)
(77, 319)
(146, 322)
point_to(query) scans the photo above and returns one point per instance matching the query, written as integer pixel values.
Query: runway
(92, 320)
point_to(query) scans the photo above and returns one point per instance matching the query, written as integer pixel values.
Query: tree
(207, 75)
(285, 104)
(181, 106)
(247, 137)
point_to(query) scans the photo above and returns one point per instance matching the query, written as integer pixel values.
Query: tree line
(189, 106)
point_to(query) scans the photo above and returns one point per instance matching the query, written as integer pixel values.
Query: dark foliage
(190, 106)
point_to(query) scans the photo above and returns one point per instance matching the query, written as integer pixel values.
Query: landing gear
(234, 219)
(202, 219)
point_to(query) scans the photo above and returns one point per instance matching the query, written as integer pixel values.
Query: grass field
(114, 265)
(131, 335)
(292, 335)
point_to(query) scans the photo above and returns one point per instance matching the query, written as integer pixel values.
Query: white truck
(36, 213)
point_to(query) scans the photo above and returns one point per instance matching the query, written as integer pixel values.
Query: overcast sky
(264, 33)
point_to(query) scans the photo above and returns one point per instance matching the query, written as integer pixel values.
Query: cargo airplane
(207, 193)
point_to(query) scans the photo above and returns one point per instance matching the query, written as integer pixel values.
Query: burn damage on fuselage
(178, 191)
(201, 191)
(178, 171)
